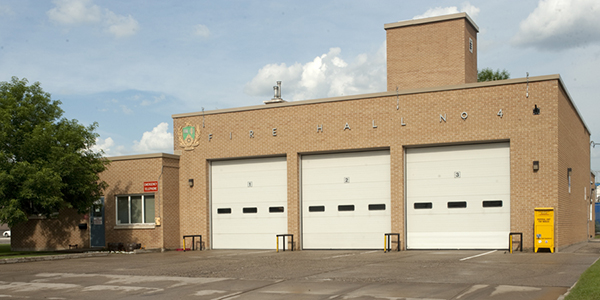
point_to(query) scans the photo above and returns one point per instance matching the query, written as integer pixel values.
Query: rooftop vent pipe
(277, 97)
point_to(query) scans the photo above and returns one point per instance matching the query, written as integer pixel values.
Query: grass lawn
(6, 253)
(588, 286)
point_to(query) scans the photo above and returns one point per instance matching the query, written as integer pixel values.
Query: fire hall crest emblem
(188, 138)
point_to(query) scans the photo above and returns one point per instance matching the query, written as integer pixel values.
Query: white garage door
(248, 202)
(345, 200)
(458, 197)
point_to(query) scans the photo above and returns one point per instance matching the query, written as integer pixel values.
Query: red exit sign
(150, 186)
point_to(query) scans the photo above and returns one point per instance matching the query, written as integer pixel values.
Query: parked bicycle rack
(284, 236)
(193, 236)
(510, 241)
(387, 241)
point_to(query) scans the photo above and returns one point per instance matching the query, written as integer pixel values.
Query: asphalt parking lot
(248, 274)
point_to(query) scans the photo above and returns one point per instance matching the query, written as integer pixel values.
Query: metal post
(277, 237)
(183, 244)
(384, 243)
(510, 243)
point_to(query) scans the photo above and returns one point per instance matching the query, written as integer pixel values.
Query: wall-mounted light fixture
(191, 182)
(536, 110)
(536, 165)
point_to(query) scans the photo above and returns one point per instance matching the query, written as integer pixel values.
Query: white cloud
(560, 24)
(108, 146)
(74, 12)
(201, 30)
(471, 10)
(157, 140)
(148, 102)
(126, 110)
(327, 75)
(121, 26)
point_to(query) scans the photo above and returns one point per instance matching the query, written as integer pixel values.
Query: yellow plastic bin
(544, 229)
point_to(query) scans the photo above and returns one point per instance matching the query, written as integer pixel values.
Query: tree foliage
(46, 161)
(488, 74)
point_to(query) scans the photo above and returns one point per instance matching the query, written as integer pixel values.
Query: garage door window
(457, 204)
(276, 209)
(492, 203)
(135, 209)
(423, 205)
(345, 207)
(376, 206)
(316, 208)
(250, 210)
(223, 210)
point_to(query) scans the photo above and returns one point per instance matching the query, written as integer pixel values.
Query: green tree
(488, 74)
(46, 161)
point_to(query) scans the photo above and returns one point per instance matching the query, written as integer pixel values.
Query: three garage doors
(345, 199)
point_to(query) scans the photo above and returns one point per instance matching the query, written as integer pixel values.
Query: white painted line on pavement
(350, 254)
(228, 296)
(478, 255)
(338, 256)
(244, 253)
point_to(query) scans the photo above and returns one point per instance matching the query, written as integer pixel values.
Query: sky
(130, 65)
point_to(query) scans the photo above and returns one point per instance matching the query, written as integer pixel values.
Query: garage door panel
(250, 195)
(343, 240)
(463, 240)
(330, 180)
(470, 174)
(230, 181)
(232, 241)
(455, 223)
(231, 191)
(343, 194)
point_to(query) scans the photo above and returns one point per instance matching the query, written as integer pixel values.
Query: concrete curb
(51, 257)
(569, 290)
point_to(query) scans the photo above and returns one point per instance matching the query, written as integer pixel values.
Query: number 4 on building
(500, 114)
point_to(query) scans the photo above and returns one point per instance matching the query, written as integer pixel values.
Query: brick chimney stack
(430, 52)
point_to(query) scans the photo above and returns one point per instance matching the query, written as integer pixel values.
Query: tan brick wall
(170, 203)
(126, 177)
(470, 58)
(531, 138)
(51, 234)
(572, 218)
(431, 54)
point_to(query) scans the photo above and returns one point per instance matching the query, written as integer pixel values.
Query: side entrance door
(97, 224)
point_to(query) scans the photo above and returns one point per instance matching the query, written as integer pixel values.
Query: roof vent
(277, 97)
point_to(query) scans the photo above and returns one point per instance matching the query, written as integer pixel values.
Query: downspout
(593, 144)
(158, 219)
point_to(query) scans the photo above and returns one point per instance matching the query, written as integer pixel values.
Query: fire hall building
(442, 160)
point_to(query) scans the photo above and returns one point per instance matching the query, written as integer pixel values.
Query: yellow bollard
(277, 244)
(384, 243)
(510, 243)
(183, 244)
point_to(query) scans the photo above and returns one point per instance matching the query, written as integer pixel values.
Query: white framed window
(135, 209)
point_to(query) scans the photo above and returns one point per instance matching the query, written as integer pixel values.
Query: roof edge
(431, 20)
(372, 95)
(564, 87)
(143, 156)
